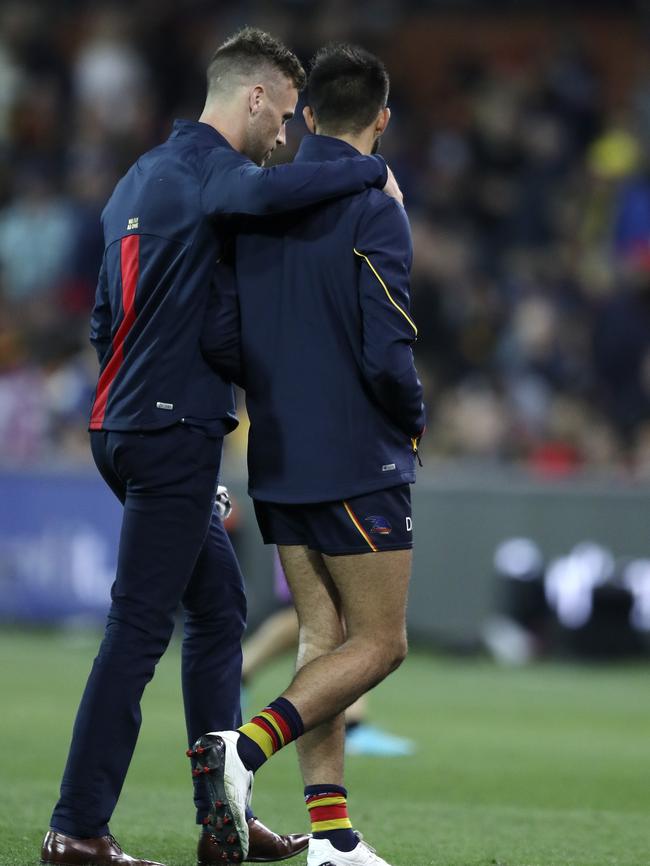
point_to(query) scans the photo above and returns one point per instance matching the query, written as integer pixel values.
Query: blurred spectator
(109, 75)
(36, 238)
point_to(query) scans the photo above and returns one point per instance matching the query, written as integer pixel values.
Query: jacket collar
(323, 148)
(202, 132)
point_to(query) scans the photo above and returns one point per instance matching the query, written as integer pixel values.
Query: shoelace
(364, 843)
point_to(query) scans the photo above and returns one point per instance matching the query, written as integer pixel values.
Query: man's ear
(383, 119)
(309, 118)
(255, 98)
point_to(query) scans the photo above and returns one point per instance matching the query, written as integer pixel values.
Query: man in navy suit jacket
(335, 405)
(157, 423)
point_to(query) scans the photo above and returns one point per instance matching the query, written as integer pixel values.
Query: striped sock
(328, 811)
(266, 733)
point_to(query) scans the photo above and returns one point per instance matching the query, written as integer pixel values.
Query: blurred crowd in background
(521, 142)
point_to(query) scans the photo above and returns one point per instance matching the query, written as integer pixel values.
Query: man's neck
(224, 125)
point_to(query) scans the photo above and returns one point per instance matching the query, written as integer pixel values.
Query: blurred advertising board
(58, 544)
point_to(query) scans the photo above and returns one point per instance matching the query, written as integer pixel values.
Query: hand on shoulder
(392, 188)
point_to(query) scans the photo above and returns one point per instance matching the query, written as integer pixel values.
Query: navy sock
(269, 731)
(252, 757)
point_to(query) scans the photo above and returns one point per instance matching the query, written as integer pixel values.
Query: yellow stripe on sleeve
(385, 287)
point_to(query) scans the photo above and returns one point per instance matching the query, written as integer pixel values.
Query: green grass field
(548, 766)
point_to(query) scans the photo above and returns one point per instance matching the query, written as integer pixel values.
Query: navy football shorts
(372, 522)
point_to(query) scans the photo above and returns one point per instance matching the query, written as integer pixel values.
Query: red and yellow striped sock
(328, 812)
(268, 732)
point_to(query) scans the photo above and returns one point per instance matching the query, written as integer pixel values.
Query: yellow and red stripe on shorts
(353, 517)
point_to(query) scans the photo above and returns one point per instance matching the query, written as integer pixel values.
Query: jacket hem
(330, 495)
(228, 425)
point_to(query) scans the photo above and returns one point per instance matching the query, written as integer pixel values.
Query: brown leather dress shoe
(101, 851)
(264, 845)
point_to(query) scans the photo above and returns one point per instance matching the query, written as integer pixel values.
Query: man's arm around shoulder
(231, 183)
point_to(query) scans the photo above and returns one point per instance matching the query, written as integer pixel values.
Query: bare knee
(395, 652)
(318, 640)
(399, 652)
(383, 654)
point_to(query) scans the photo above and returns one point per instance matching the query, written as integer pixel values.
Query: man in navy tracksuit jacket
(331, 389)
(157, 423)
(336, 414)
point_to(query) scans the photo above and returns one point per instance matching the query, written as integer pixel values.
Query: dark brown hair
(347, 88)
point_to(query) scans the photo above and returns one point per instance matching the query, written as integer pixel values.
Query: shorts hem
(355, 550)
(286, 543)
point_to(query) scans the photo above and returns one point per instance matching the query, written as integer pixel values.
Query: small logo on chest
(133, 223)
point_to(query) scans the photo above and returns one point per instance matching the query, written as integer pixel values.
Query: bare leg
(372, 589)
(276, 634)
(320, 751)
(357, 712)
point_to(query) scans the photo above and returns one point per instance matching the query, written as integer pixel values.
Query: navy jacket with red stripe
(326, 354)
(163, 231)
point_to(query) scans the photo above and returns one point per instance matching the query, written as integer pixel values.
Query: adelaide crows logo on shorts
(378, 525)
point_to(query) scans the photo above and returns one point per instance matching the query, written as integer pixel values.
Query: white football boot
(230, 785)
(323, 853)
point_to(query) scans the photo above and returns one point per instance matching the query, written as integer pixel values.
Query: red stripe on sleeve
(129, 264)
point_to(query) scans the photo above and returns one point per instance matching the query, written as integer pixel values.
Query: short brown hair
(247, 50)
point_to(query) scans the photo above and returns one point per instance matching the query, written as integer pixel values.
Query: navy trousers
(173, 551)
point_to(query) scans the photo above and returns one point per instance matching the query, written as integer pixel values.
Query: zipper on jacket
(416, 450)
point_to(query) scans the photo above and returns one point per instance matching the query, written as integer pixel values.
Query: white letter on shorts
(409, 524)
